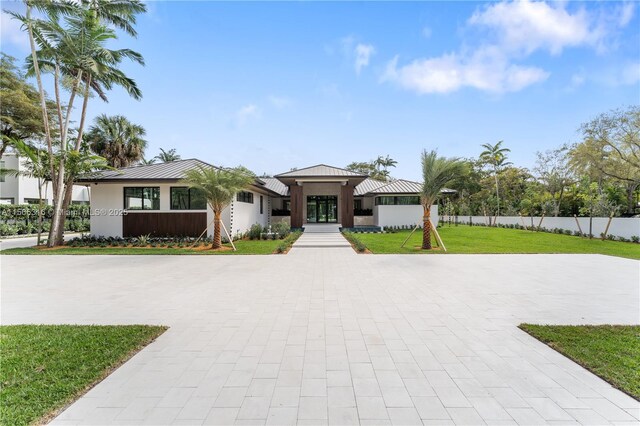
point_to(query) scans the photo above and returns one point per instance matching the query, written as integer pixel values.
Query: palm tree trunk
(497, 192)
(40, 183)
(426, 229)
(217, 236)
(83, 116)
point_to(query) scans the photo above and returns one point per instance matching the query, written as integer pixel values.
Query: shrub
(255, 231)
(635, 239)
(282, 229)
(357, 244)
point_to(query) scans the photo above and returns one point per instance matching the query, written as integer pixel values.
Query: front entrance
(322, 209)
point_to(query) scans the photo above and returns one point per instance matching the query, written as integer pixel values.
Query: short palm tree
(219, 186)
(117, 139)
(496, 157)
(168, 156)
(437, 172)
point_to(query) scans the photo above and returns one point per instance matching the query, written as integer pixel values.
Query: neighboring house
(24, 190)
(151, 199)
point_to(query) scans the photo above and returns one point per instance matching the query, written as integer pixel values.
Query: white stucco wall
(106, 210)
(620, 226)
(243, 215)
(402, 215)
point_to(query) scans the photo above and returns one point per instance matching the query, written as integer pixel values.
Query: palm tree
(147, 162)
(168, 156)
(437, 172)
(496, 157)
(117, 139)
(219, 187)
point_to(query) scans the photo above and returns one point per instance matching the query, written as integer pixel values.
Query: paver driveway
(325, 335)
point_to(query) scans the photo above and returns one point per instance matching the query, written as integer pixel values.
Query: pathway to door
(326, 336)
(321, 237)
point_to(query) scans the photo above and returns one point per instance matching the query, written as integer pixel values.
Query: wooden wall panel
(296, 205)
(185, 224)
(346, 209)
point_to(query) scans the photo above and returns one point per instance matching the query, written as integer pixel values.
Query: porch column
(346, 210)
(296, 205)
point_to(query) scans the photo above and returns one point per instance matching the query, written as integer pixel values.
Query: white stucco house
(152, 199)
(24, 190)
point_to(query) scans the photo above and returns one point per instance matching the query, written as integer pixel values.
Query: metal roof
(366, 186)
(173, 170)
(276, 186)
(320, 170)
(399, 186)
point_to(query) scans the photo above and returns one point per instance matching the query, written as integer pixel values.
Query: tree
(116, 139)
(496, 157)
(20, 116)
(73, 48)
(377, 169)
(219, 186)
(168, 156)
(147, 162)
(552, 169)
(437, 173)
(383, 163)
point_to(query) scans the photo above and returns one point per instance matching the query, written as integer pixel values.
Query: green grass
(480, 239)
(45, 367)
(612, 352)
(243, 246)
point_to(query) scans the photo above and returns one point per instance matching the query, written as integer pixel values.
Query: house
(22, 189)
(152, 199)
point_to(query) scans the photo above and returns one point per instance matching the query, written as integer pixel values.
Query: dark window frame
(245, 197)
(142, 188)
(189, 206)
(395, 198)
(261, 204)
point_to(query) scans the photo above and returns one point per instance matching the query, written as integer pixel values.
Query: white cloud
(486, 69)
(363, 54)
(627, 10)
(246, 113)
(280, 102)
(11, 32)
(577, 79)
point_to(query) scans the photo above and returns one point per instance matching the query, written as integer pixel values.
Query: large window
(245, 197)
(261, 204)
(142, 198)
(400, 200)
(184, 198)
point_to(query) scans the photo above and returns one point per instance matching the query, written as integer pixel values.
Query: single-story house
(152, 199)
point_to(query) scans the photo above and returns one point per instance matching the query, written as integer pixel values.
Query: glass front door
(322, 209)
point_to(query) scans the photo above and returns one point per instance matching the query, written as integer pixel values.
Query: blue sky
(278, 85)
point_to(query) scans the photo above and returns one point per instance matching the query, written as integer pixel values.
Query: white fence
(626, 227)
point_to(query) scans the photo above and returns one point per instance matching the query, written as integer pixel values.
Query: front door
(322, 209)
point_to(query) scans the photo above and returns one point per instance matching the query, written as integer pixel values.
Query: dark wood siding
(346, 209)
(183, 224)
(296, 206)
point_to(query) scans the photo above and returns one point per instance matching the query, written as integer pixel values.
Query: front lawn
(243, 247)
(479, 239)
(45, 367)
(612, 352)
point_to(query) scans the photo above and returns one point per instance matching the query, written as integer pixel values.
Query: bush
(282, 229)
(635, 239)
(288, 242)
(357, 244)
(255, 231)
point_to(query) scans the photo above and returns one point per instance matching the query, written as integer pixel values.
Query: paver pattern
(323, 335)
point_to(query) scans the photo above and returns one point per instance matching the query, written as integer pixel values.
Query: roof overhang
(342, 180)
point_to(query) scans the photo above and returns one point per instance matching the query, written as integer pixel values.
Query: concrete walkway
(8, 243)
(319, 336)
(321, 237)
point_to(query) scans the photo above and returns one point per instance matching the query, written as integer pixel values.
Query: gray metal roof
(320, 170)
(399, 186)
(276, 186)
(173, 170)
(366, 186)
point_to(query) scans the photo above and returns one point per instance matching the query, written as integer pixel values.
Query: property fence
(625, 227)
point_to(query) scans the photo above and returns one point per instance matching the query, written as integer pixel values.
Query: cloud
(486, 69)
(246, 113)
(11, 32)
(280, 102)
(363, 54)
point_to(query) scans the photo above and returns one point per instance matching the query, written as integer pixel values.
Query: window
(261, 204)
(357, 204)
(402, 200)
(286, 205)
(142, 198)
(184, 198)
(2, 171)
(245, 197)
(80, 203)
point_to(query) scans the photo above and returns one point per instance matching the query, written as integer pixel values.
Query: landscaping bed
(46, 367)
(465, 239)
(611, 352)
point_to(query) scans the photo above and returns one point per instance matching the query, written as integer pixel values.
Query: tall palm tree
(496, 157)
(437, 173)
(168, 156)
(117, 139)
(219, 186)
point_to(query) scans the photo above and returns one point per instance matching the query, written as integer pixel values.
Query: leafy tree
(437, 173)
(148, 162)
(553, 171)
(117, 139)
(219, 186)
(377, 169)
(168, 156)
(496, 157)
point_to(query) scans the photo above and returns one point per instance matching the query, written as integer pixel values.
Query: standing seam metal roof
(320, 170)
